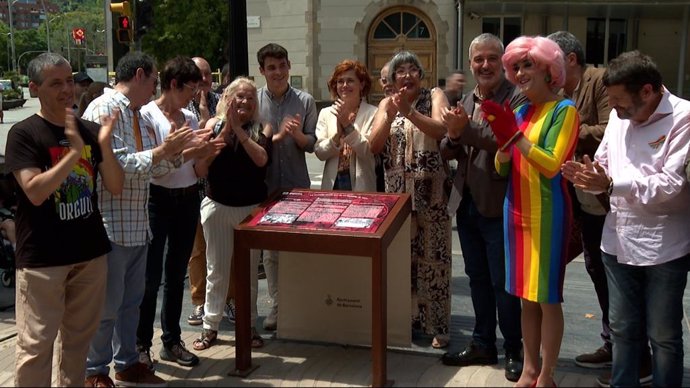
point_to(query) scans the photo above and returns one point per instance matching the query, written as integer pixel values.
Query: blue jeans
(654, 293)
(116, 336)
(173, 215)
(481, 240)
(592, 227)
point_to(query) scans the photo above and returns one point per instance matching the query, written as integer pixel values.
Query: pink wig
(543, 52)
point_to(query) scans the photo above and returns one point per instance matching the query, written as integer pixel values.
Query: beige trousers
(67, 299)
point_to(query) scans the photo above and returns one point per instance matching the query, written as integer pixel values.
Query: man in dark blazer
(478, 196)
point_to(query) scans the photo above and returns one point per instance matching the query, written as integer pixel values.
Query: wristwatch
(609, 190)
(178, 160)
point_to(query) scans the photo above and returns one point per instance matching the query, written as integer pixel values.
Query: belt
(177, 192)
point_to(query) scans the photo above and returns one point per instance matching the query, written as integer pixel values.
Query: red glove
(502, 122)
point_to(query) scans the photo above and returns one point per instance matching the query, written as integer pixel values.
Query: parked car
(10, 90)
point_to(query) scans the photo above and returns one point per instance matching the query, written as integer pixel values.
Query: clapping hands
(289, 126)
(177, 139)
(344, 113)
(588, 175)
(502, 121)
(455, 119)
(76, 142)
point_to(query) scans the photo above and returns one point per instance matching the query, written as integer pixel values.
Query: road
(13, 116)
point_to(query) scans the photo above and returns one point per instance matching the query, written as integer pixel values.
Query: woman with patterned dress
(407, 130)
(534, 141)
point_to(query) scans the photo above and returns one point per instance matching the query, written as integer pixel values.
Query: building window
(601, 50)
(505, 27)
(402, 23)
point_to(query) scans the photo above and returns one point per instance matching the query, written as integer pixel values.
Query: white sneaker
(271, 320)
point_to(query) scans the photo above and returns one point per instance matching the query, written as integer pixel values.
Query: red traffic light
(123, 22)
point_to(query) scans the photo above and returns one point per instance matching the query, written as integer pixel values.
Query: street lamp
(48, 21)
(28, 52)
(103, 31)
(9, 8)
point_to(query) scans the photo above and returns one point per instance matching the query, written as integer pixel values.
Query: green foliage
(11, 94)
(180, 27)
(190, 28)
(13, 76)
(15, 91)
(87, 16)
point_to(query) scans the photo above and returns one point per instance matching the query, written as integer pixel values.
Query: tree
(92, 20)
(190, 28)
(5, 42)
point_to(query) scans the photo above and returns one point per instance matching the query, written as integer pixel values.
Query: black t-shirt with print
(66, 228)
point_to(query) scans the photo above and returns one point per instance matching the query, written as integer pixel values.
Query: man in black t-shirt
(61, 242)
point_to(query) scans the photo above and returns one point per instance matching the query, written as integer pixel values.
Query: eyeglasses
(194, 88)
(412, 72)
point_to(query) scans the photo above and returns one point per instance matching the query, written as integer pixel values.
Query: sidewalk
(296, 363)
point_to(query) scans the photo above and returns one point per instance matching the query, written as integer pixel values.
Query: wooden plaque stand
(319, 238)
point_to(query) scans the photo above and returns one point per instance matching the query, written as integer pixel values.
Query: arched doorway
(400, 28)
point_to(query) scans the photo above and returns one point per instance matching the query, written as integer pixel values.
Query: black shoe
(472, 355)
(178, 353)
(513, 365)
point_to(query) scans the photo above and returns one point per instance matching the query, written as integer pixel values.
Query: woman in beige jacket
(342, 131)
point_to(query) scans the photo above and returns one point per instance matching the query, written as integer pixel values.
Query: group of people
(119, 184)
(617, 139)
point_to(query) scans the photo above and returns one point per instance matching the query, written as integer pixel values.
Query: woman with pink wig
(534, 141)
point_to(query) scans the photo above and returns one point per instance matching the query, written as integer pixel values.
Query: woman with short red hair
(342, 130)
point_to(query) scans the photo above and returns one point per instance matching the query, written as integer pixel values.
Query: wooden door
(401, 28)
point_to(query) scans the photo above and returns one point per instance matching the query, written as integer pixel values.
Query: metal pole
(238, 52)
(459, 50)
(108, 37)
(9, 8)
(683, 51)
(28, 52)
(69, 37)
(45, 12)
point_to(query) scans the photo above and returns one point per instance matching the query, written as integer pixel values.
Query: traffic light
(124, 21)
(124, 29)
(121, 8)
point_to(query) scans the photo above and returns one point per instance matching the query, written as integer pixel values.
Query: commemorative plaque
(347, 253)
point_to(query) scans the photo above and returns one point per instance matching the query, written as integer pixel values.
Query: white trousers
(270, 261)
(218, 222)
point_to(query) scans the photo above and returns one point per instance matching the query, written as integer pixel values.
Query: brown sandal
(207, 339)
(257, 341)
(440, 341)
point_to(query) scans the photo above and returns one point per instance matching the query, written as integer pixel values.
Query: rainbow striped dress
(537, 213)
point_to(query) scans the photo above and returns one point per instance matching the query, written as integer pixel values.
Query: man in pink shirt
(645, 249)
